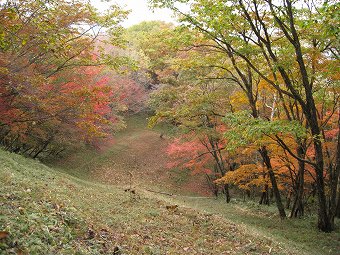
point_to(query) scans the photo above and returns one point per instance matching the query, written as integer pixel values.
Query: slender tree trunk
(298, 204)
(3, 136)
(289, 199)
(324, 220)
(248, 193)
(310, 111)
(226, 193)
(264, 196)
(220, 166)
(334, 177)
(264, 153)
(10, 145)
(60, 151)
(26, 149)
(213, 187)
(337, 211)
(43, 147)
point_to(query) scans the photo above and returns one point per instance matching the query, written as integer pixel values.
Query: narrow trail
(140, 153)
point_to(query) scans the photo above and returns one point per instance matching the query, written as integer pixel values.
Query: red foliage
(190, 155)
(130, 93)
(78, 104)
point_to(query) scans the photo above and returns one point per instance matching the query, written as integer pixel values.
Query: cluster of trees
(58, 87)
(150, 45)
(251, 85)
(255, 94)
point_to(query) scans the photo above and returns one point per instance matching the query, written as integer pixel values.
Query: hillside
(47, 212)
(79, 206)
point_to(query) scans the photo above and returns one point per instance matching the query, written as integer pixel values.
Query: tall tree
(50, 61)
(274, 38)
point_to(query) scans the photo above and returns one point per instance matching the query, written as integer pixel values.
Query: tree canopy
(282, 59)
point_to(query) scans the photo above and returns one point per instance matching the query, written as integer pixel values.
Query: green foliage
(245, 130)
(149, 38)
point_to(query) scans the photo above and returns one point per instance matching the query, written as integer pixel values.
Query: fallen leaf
(3, 234)
(19, 252)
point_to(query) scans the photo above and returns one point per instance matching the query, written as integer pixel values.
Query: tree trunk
(226, 193)
(334, 183)
(213, 187)
(310, 111)
(298, 204)
(264, 153)
(324, 220)
(220, 166)
(265, 196)
(337, 211)
(43, 147)
(289, 199)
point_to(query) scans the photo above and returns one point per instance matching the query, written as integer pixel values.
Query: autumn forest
(235, 103)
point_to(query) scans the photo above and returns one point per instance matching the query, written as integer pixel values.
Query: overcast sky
(140, 11)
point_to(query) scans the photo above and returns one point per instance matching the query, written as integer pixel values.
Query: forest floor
(78, 206)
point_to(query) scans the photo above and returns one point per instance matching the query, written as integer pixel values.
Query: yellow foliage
(244, 177)
(238, 100)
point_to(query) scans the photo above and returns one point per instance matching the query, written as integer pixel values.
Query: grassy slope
(48, 211)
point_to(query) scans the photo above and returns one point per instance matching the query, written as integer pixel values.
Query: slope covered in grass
(48, 212)
(141, 151)
(78, 206)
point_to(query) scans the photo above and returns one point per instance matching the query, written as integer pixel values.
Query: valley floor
(78, 206)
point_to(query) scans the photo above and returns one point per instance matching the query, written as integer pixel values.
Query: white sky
(140, 11)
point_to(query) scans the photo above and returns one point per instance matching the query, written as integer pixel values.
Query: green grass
(300, 235)
(49, 212)
(85, 159)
